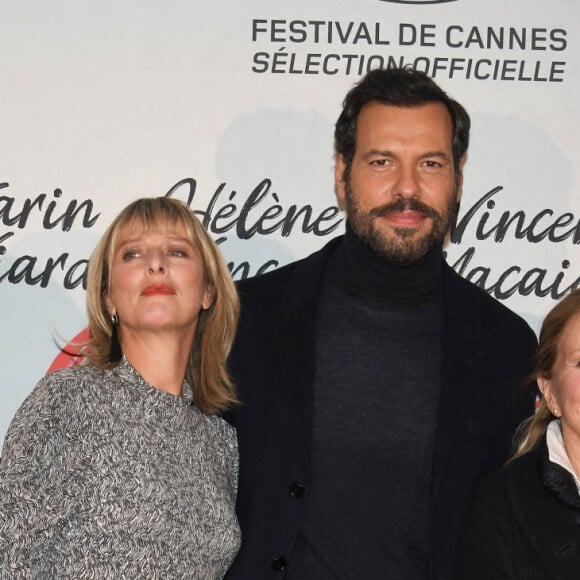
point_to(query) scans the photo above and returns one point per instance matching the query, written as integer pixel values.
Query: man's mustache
(401, 204)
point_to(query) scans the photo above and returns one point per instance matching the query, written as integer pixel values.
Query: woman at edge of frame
(525, 521)
(121, 467)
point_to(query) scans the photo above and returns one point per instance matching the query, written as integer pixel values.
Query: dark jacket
(525, 524)
(487, 354)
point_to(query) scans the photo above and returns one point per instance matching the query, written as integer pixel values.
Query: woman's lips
(157, 289)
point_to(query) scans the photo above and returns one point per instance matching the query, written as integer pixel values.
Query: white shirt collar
(557, 450)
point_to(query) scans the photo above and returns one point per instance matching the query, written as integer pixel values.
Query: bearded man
(377, 386)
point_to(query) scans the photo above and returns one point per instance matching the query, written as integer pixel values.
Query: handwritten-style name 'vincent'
(261, 212)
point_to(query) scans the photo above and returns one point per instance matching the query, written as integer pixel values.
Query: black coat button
(296, 489)
(279, 563)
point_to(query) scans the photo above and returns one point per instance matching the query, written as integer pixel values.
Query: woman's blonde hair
(206, 370)
(532, 430)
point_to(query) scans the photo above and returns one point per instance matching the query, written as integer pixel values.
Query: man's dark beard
(402, 247)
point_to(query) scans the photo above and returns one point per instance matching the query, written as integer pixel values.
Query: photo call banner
(230, 107)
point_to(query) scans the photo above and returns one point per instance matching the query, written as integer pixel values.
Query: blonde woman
(120, 468)
(526, 520)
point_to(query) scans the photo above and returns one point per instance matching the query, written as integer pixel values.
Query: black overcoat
(487, 350)
(525, 524)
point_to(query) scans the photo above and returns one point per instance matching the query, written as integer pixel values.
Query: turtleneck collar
(145, 391)
(358, 269)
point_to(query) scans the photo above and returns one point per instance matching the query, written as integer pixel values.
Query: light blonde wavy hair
(206, 370)
(533, 429)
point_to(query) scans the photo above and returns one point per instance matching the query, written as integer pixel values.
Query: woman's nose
(156, 262)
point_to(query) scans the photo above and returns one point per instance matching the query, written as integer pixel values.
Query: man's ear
(459, 179)
(339, 182)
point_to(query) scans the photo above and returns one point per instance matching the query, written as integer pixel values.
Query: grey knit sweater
(105, 476)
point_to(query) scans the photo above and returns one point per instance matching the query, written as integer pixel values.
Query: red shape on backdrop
(72, 354)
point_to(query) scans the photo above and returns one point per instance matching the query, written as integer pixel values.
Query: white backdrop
(232, 105)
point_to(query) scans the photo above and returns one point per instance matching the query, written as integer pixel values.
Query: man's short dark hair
(398, 87)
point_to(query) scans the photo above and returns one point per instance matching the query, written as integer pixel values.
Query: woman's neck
(160, 358)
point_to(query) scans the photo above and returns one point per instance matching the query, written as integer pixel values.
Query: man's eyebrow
(378, 152)
(389, 153)
(441, 154)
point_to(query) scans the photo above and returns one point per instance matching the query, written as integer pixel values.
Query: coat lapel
(462, 357)
(297, 347)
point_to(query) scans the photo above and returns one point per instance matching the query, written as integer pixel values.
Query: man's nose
(407, 184)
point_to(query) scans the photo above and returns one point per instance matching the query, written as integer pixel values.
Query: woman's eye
(130, 254)
(178, 252)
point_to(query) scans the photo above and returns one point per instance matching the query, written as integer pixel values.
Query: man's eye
(379, 162)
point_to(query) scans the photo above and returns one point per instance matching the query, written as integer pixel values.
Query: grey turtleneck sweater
(376, 393)
(105, 476)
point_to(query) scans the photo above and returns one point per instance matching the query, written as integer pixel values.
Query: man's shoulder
(269, 280)
(490, 310)
(304, 271)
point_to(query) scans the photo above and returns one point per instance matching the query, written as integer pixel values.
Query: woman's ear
(208, 297)
(546, 388)
(109, 304)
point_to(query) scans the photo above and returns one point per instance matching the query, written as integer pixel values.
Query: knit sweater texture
(105, 476)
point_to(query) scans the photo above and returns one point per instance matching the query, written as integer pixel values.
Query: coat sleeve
(487, 541)
(29, 489)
